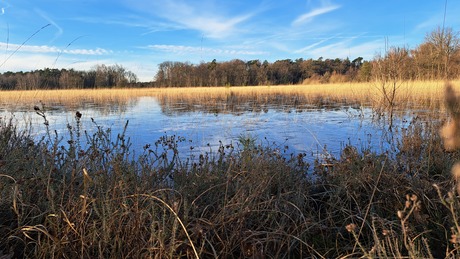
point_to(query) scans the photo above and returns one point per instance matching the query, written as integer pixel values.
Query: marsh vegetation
(86, 195)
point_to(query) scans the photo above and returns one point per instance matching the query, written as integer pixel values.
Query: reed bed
(369, 93)
(417, 90)
(69, 98)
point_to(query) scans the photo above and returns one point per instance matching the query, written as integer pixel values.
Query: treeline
(438, 57)
(101, 76)
(254, 72)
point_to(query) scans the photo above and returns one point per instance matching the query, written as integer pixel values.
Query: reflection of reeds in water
(105, 100)
(425, 96)
(237, 103)
(414, 95)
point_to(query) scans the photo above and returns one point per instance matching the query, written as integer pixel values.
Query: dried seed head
(455, 239)
(86, 177)
(351, 227)
(451, 101)
(407, 205)
(400, 214)
(413, 198)
(450, 134)
(386, 232)
(456, 171)
(456, 175)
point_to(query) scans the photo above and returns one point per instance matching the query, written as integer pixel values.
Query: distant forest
(101, 76)
(438, 57)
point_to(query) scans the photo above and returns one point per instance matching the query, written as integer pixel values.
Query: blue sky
(140, 34)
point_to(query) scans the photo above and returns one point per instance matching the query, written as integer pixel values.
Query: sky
(140, 34)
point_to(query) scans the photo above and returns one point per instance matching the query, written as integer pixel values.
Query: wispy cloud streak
(311, 46)
(179, 49)
(209, 20)
(42, 14)
(307, 17)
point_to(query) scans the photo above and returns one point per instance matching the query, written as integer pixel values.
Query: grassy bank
(61, 200)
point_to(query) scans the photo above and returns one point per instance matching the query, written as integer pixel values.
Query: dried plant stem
(370, 202)
(176, 217)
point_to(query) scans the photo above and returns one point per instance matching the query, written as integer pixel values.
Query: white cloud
(144, 71)
(344, 49)
(179, 49)
(44, 57)
(211, 21)
(30, 62)
(214, 27)
(97, 51)
(52, 49)
(27, 62)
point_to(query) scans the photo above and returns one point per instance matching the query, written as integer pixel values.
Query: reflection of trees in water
(114, 106)
(234, 103)
(239, 103)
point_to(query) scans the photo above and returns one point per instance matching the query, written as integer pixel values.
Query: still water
(306, 128)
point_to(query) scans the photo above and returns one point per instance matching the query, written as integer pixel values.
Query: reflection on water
(106, 107)
(232, 103)
(303, 124)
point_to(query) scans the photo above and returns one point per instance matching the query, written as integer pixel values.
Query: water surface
(292, 125)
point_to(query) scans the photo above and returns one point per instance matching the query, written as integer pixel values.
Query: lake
(289, 123)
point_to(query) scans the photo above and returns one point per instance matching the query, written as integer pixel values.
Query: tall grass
(61, 199)
(420, 93)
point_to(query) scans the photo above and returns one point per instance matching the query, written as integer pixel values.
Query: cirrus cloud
(307, 17)
(210, 20)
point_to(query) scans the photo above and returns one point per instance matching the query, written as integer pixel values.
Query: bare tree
(389, 72)
(70, 79)
(445, 44)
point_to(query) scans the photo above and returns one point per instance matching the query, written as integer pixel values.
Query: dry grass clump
(87, 196)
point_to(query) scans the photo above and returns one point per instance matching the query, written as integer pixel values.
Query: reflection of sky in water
(307, 131)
